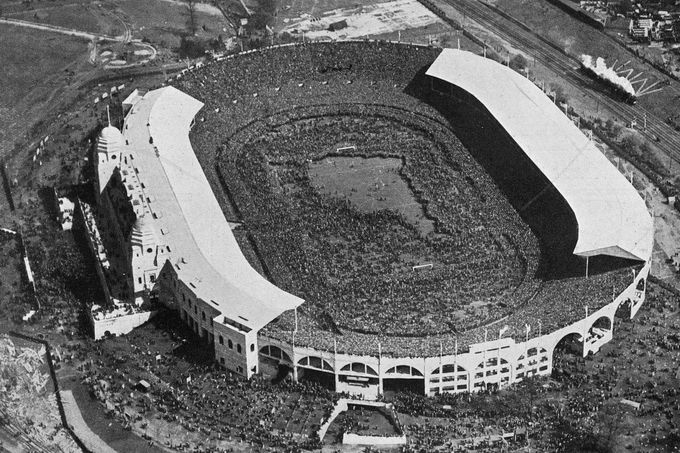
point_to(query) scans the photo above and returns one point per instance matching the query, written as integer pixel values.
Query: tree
(191, 8)
(625, 6)
(518, 63)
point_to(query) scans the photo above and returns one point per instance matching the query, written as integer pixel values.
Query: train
(616, 90)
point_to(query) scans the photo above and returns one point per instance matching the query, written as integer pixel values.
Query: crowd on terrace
(263, 110)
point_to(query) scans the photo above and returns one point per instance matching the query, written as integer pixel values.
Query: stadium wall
(497, 363)
(235, 349)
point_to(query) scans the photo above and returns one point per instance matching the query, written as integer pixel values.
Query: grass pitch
(371, 185)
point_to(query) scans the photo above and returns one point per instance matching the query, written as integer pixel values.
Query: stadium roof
(612, 218)
(188, 217)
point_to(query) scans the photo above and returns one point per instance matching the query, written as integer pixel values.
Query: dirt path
(57, 29)
(76, 421)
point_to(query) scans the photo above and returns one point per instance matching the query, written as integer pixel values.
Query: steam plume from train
(601, 70)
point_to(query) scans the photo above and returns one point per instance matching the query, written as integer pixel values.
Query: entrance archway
(316, 369)
(567, 353)
(404, 378)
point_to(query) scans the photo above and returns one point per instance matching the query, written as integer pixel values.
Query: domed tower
(145, 251)
(108, 154)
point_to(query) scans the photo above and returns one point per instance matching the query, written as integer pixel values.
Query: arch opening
(276, 353)
(316, 369)
(449, 378)
(358, 375)
(404, 370)
(600, 325)
(568, 352)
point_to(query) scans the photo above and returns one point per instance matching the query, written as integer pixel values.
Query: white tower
(145, 251)
(109, 149)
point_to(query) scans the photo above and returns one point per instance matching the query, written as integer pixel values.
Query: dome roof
(110, 140)
(143, 234)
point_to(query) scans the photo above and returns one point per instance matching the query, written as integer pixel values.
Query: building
(183, 253)
(180, 247)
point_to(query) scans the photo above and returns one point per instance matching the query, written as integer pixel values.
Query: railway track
(568, 66)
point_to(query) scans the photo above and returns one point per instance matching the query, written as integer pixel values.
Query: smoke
(600, 68)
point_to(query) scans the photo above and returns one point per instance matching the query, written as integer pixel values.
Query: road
(57, 29)
(568, 67)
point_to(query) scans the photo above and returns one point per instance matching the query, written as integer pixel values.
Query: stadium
(374, 216)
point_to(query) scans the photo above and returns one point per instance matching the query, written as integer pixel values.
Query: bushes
(518, 63)
(192, 47)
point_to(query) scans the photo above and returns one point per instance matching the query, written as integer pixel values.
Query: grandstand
(612, 218)
(246, 162)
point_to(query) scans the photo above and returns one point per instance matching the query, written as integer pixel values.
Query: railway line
(568, 66)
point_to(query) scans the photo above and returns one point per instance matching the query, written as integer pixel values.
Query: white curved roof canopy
(188, 217)
(612, 218)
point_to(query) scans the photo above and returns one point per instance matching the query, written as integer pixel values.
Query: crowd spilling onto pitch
(270, 113)
(345, 263)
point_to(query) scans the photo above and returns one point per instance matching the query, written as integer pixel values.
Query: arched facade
(274, 352)
(494, 364)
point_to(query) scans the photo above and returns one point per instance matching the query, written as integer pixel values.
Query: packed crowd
(263, 112)
(578, 406)
(585, 406)
(309, 240)
(187, 388)
(482, 249)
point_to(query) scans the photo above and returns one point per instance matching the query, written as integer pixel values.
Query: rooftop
(612, 217)
(186, 216)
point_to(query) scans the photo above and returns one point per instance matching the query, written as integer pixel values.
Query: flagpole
(455, 363)
(584, 331)
(526, 348)
(486, 331)
(295, 374)
(441, 370)
(380, 379)
(498, 358)
(335, 361)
